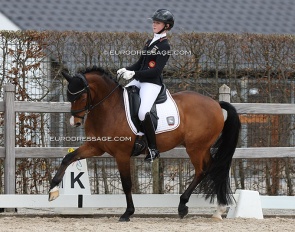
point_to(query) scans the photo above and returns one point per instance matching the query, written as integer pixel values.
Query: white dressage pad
(167, 112)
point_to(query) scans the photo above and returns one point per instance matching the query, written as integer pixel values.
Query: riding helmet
(164, 16)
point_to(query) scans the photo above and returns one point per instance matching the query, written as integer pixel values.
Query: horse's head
(88, 90)
(79, 95)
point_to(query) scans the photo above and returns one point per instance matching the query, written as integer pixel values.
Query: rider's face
(158, 26)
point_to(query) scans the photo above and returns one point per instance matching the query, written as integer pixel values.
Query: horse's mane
(100, 70)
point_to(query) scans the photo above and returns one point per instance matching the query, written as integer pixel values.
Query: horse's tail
(216, 180)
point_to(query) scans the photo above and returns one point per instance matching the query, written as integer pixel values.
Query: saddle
(134, 103)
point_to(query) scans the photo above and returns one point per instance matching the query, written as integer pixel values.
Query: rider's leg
(133, 82)
(148, 94)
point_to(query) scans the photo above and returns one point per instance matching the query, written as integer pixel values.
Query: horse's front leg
(82, 152)
(123, 163)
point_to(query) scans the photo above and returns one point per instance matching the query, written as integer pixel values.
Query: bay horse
(210, 139)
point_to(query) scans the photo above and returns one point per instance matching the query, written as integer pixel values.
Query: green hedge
(196, 57)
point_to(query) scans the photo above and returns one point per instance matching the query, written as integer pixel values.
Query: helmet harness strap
(164, 28)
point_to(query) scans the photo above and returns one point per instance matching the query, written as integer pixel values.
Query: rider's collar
(157, 37)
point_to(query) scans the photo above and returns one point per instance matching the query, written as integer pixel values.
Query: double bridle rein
(89, 104)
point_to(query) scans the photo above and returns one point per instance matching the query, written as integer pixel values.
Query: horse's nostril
(78, 124)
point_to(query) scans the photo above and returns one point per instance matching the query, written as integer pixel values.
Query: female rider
(147, 74)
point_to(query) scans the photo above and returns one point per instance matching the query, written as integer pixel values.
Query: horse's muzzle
(76, 122)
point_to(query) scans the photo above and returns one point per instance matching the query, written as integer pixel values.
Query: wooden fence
(9, 152)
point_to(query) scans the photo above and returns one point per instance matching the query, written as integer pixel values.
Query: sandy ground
(23, 224)
(145, 219)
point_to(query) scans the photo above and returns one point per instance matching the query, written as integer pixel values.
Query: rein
(89, 105)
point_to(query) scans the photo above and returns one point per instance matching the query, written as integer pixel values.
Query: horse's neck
(107, 92)
(109, 110)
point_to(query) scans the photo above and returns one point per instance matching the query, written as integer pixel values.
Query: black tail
(216, 180)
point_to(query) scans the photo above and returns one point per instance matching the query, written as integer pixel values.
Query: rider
(147, 74)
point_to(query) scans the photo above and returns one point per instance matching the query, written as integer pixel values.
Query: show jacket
(152, 61)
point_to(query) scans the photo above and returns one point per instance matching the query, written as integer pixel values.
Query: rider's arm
(136, 66)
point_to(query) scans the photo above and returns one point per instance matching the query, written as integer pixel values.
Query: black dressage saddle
(134, 103)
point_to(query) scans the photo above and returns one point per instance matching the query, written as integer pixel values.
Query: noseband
(89, 104)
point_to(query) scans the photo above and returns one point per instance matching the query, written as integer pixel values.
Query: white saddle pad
(167, 112)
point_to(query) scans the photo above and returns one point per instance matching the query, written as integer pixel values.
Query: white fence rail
(119, 201)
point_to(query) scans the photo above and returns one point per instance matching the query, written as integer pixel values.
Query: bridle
(89, 102)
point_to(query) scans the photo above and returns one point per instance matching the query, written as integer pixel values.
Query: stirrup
(153, 154)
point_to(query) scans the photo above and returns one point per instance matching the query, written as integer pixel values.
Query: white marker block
(76, 179)
(248, 206)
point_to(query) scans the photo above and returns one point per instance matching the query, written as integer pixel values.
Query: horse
(209, 137)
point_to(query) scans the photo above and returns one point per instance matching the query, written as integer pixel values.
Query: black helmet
(164, 16)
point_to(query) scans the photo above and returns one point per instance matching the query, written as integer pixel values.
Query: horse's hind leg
(197, 160)
(219, 211)
(184, 198)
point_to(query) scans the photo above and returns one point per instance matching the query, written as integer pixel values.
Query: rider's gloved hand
(128, 74)
(120, 72)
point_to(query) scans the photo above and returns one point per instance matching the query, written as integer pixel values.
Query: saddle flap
(167, 114)
(162, 97)
(134, 100)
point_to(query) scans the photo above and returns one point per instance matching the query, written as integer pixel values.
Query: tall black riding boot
(149, 132)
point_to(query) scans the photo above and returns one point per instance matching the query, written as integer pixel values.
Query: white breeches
(148, 94)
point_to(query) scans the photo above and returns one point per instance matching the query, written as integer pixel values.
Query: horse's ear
(66, 75)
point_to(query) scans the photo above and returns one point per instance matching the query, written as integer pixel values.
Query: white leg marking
(53, 193)
(219, 211)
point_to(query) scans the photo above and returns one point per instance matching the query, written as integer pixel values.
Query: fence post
(156, 176)
(9, 139)
(224, 93)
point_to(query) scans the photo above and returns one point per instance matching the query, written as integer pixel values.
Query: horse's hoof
(217, 217)
(183, 212)
(124, 219)
(53, 193)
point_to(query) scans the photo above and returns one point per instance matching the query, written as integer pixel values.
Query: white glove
(128, 74)
(120, 72)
